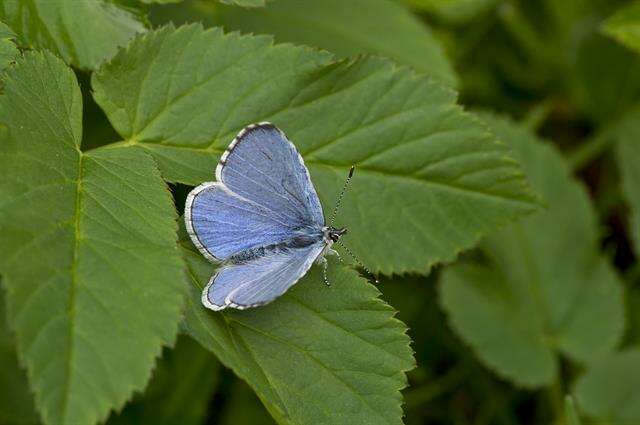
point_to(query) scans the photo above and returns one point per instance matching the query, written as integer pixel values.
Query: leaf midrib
(361, 168)
(73, 288)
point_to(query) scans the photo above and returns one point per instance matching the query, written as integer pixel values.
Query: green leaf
(454, 11)
(610, 390)
(604, 99)
(380, 27)
(179, 392)
(245, 3)
(8, 50)
(628, 154)
(16, 401)
(318, 354)
(84, 33)
(428, 174)
(624, 25)
(87, 254)
(545, 289)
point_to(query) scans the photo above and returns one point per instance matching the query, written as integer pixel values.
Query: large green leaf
(87, 254)
(8, 50)
(628, 153)
(179, 392)
(318, 354)
(430, 179)
(381, 27)
(610, 391)
(545, 289)
(16, 401)
(83, 33)
(624, 25)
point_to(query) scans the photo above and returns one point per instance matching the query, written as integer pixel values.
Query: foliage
(538, 294)
(624, 25)
(609, 390)
(506, 246)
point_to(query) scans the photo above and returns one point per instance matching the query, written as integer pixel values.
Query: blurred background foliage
(569, 72)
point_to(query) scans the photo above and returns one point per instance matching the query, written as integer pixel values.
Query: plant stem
(436, 388)
(591, 149)
(556, 397)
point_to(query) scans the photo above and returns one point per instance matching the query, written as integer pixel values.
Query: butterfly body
(262, 220)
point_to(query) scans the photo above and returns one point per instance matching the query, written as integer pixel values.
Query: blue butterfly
(262, 219)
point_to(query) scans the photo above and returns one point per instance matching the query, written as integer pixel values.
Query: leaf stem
(537, 115)
(556, 397)
(592, 148)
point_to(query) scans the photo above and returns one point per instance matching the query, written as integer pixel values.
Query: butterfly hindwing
(260, 280)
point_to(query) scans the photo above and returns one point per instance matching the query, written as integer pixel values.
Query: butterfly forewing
(262, 166)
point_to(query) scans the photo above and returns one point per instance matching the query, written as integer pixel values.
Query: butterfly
(262, 219)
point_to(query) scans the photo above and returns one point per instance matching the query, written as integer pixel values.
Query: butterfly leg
(334, 252)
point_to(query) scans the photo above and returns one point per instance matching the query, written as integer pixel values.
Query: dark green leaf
(628, 153)
(546, 289)
(381, 27)
(244, 407)
(84, 33)
(430, 179)
(610, 391)
(16, 400)
(88, 253)
(179, 392)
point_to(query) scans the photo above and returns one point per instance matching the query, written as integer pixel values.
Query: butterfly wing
(260, 280)
(263, 196)
(263, 166)
(222, 223)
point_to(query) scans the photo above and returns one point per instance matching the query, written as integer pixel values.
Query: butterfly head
(335, 234)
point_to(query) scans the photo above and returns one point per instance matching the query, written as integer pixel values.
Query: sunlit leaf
(624, 25)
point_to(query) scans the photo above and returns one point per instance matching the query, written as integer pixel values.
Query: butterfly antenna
(344, 189)
(352, 255)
